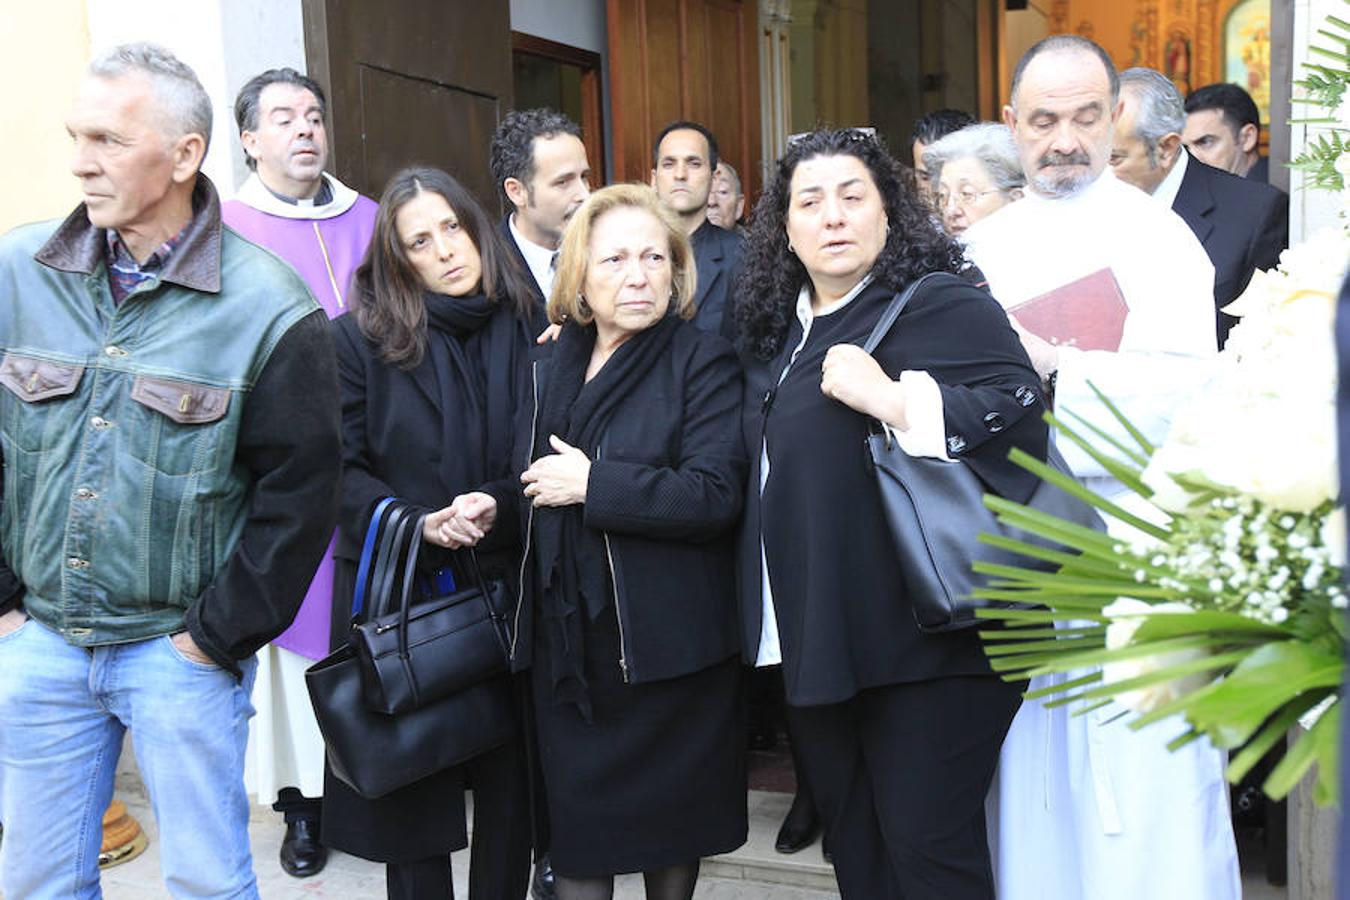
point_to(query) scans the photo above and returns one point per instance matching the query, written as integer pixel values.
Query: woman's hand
(549, 334)
(463, 523)
(851, 376)
(558, 479)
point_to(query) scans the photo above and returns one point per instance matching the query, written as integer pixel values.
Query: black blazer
(665, 488)
(1243, 225)
(509, 241)
(717, 258)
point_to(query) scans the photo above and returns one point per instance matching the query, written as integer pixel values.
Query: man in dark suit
(540, 169)
(1223, 130)
(683, 160)
(1242, 224)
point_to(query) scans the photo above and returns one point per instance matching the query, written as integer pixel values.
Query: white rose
(1127, 615)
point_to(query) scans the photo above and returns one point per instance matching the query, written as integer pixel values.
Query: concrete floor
(350, 878)
(741, 876)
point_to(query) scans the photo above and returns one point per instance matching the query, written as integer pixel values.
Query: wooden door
(411, 81)
(684, 59)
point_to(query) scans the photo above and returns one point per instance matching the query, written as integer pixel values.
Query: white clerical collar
(539, 259)
(1166, 194)
(255, 194)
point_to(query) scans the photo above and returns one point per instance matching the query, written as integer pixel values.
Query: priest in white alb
(1107, 288)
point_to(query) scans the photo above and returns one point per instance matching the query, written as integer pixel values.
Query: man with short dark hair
(539, 166)
(291, 206)
(1124, 303)
(684, 157)
(169, 426)
(1223, 130)
(1242, 224)
(928, 130)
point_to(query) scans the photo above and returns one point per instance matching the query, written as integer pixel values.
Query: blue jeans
(63, 712)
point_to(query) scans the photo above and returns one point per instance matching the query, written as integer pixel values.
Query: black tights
(670, 883)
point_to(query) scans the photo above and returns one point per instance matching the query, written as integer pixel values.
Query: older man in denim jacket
(170, 432)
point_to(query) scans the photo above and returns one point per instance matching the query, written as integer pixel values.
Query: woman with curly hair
(897, 730)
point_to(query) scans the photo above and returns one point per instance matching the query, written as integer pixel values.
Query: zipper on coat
(614, 582)
(529, 518)
(618, 610)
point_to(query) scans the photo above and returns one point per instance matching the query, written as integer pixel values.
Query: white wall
(577, 23)
(225, 41)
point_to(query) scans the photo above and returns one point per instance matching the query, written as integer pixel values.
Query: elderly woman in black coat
(433, 369)
(633, 473)
(897, 731)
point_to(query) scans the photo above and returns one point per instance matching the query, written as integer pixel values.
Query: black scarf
(476, 349)
(572, 562)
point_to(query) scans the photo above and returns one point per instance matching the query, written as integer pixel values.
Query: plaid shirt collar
(125, 274)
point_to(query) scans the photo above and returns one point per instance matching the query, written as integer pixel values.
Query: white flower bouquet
(1226, 605)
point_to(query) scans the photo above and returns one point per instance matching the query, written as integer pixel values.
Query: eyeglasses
(965, 198)
(862, 133)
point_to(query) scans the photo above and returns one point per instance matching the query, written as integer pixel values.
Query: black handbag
(375, 753)
(413, 655)
(936, 511)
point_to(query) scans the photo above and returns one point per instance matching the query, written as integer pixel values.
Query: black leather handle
(386, 563)
(897, 305)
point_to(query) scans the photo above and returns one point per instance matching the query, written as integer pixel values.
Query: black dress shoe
(825, 850)
(301, 853)
(800, 826)
(542, 885)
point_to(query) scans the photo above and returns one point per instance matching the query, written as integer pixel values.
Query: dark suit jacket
(510, 241)
(1242, 224)
(717, 257)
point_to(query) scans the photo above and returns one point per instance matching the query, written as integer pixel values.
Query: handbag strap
(367, 552)
(385, 579)
(892, 312)
(409, 577)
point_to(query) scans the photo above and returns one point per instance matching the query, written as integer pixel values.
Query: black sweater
(844, 624)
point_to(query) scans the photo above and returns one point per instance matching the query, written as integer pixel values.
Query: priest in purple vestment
(290, 206)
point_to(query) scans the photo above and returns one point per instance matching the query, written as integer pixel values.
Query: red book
(1088, 314)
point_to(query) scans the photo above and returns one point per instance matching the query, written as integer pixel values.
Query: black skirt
(657, 778)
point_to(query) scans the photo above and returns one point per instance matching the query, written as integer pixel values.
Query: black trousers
(899, 775)
(499, 852)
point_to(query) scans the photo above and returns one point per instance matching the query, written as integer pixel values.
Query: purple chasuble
(324, 244)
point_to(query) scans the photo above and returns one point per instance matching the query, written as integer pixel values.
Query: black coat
(666, 491)
(844, 624)
(392, 439)
(717, 258)
(1242, 223)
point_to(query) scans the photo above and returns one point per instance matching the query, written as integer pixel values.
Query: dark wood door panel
(411, 81)
(422, 121)
(684, 59)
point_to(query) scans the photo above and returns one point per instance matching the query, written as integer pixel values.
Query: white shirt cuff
(927, 432)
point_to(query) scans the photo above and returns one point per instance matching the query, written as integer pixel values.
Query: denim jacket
(123, 493)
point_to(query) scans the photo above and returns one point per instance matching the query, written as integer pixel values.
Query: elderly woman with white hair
(973, 173)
